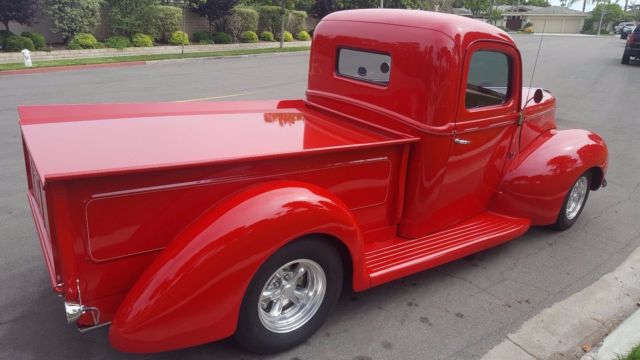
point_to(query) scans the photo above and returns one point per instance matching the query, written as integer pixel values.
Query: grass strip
(127, 58)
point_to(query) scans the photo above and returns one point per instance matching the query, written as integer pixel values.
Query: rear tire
(574, 203)
(290, 296)
(625, 58)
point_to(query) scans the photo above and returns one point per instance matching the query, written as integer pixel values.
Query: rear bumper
(632, 51)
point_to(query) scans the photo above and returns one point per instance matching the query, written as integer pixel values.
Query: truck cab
(416, 144)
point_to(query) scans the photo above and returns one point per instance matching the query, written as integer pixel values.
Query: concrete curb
(620, 341)
(584, 318)
(136, 63)
(69, 68)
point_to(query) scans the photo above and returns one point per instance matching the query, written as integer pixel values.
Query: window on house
(488, 79)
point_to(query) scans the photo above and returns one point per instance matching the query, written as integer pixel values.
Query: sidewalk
(7, 58)
(570, 327)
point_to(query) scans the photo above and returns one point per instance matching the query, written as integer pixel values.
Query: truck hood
(70, 141)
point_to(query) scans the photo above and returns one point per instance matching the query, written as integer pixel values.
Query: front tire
(574, 203)
(290, 296)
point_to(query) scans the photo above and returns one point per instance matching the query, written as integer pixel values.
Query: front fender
(536, 182)
(192, 292)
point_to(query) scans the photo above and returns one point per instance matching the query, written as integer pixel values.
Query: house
(551, 19)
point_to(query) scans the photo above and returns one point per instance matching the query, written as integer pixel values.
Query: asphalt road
(456, 311)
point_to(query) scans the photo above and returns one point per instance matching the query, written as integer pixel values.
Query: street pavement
(456, 311)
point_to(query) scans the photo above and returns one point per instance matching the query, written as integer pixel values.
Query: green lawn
(117, 59)
(633, 354)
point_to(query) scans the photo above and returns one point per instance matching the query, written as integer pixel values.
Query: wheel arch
(220, 253)
(537, 180)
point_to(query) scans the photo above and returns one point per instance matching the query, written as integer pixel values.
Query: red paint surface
(158, 208)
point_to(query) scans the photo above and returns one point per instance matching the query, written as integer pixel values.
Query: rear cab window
(366, 66)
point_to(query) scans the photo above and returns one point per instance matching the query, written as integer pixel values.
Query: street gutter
(569, 327)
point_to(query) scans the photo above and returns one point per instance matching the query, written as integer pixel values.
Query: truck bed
(71, 141)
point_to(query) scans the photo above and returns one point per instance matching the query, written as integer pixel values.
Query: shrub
(269, 18)
(528, 24)
(101, 45)
(18, 43)
(126, 17)
(528, 30)
(142, 40)
(296, 21)
(160, 20)
(240, 20)
(38, 39)
(303, 36)
(179, 38)
(4, 34)
(249, 37)
(266, 36)
(222, 38)
(201, 36)
(118, 42)
(83, 41)
(287, 36)
(71, 17)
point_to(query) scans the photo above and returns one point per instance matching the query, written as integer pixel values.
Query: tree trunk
(584, 5)
(6, 25)
(283, 13)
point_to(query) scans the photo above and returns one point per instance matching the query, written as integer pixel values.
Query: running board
(396, 258)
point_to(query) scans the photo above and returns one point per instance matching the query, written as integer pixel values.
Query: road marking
(214, 97)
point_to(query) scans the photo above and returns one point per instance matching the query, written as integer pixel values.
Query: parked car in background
(618, 28)
(632, 49)
(626, 31)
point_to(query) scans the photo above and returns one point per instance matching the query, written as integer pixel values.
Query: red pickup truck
(180, 224)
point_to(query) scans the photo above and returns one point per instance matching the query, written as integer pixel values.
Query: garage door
(572, 26)
(553, 26)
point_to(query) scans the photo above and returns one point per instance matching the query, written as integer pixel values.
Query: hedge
(249, 37)
(179, 38)
(83, 41)
(16, 43)
(267, 36)
(269, 19)
(160, 20)
(222, 38)
(142, 40)
(303, 36)
(118, 42)
(38, 39)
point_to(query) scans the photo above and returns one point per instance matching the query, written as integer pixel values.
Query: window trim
(509, 93)
(490, 113)
(358, 80)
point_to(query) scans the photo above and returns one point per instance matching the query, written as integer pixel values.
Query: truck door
(486, 120)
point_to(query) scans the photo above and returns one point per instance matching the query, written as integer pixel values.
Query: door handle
(461, 141)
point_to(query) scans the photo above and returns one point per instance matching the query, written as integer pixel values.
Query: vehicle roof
(454, 26)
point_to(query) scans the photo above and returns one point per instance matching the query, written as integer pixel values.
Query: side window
(365, 66)
(488, 80)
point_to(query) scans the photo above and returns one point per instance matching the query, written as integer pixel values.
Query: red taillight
(631, 38)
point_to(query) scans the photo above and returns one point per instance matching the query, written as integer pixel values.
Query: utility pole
(381, 4)
(283, 12)
(601, 16)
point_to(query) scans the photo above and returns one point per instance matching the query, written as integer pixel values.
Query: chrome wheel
(291, 296)
(576, 198)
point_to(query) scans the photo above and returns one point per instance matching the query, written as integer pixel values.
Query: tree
(213, 10)
(584, 3)
(70, 17)
(476, 6)
(612, 14)
(541, 3)
(22, 11)
(126, 16)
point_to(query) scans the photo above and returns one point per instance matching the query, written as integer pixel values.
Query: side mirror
(537, 96)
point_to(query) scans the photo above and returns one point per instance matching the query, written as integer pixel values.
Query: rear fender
(192, 292)
(538, 179)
